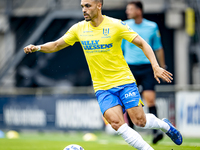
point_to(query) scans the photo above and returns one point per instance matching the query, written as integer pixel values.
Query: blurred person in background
(138, 62)
(100, 37)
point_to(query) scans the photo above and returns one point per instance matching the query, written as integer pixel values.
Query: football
(73, 147)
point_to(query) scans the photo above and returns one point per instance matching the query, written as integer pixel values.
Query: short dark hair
(138, 4)
(101, 1)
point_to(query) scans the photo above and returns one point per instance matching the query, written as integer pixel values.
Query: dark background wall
(68, 67)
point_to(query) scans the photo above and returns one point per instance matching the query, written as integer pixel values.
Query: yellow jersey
(102, 49)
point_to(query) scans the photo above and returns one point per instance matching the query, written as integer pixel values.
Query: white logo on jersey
(130, 94)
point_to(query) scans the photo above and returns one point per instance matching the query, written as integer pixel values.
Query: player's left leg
(150, 121)
(146, 121)
(131, 100)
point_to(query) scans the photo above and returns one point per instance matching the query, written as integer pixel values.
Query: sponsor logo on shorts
(130, 94)
(130, 101)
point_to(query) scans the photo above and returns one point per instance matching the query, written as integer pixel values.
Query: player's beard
(89, 18)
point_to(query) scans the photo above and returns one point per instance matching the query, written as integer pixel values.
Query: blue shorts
(126, 95)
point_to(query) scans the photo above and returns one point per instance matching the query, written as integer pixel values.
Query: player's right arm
(69, 38)
(49, 47)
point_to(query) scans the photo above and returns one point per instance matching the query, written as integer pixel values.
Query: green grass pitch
(57, 141)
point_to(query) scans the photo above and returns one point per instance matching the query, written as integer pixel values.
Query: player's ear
(99, 5)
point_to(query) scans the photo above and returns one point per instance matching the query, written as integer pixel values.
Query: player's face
(132, 11)
(90, 9)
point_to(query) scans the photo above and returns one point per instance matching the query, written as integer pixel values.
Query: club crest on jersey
(106, 31)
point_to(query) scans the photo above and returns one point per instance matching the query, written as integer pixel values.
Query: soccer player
(114, 84)
(138, 62)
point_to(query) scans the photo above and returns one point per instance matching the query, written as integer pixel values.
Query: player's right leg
(115, 117)
(111, 108)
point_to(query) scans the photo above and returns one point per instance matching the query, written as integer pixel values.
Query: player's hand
(30, 48)
(163, 74)
(164, 67)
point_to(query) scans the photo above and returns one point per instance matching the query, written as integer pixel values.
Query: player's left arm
(158, 71)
